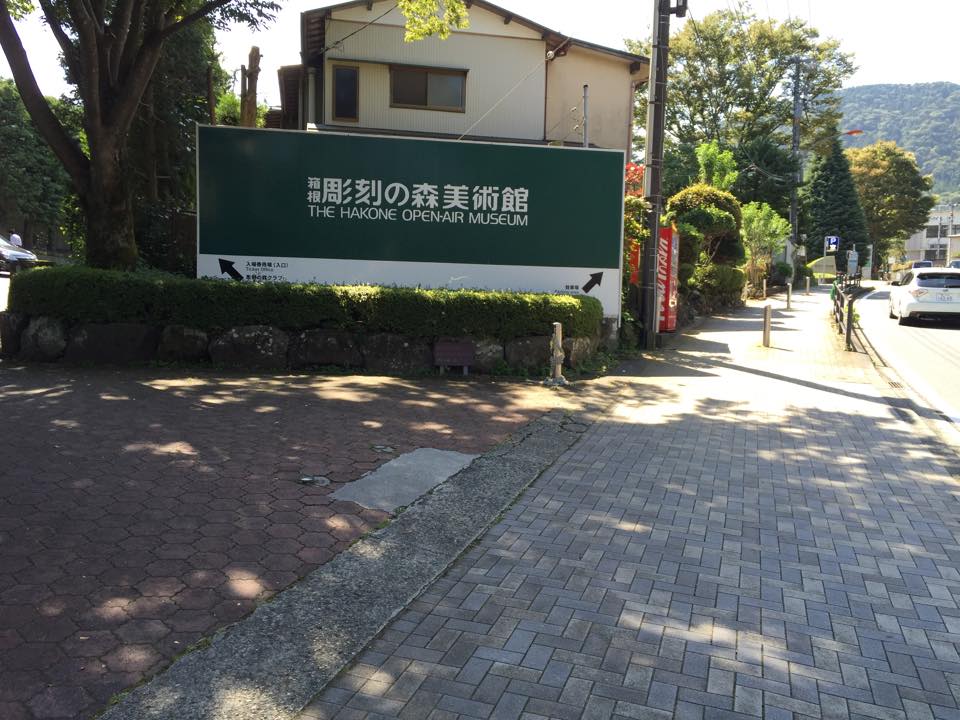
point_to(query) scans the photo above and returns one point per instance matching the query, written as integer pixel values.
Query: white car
(926, 292)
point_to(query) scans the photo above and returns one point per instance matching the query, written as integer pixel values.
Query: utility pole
(653, 170)
(798, 173)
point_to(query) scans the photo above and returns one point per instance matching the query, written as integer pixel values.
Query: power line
(505, 96)
(339, 42)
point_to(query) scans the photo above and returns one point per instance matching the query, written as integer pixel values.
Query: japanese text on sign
(365, 199)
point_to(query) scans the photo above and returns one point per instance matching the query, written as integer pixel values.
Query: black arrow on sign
(595, 279)
(226, 266)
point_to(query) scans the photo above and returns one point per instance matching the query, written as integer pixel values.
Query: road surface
(926, 356)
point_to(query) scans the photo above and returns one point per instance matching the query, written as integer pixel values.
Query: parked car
(898, 271)
(925, 293)
(954, 264)
(13, 258)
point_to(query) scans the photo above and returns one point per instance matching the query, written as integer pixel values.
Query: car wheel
(905, 320)
(890, 312)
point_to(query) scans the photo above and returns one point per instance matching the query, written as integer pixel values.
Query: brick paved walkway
(754, 533)
(140, 510)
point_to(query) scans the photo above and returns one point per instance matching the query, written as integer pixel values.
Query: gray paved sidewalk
(751, 532)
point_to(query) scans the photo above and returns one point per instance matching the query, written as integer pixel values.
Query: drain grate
(898, 386)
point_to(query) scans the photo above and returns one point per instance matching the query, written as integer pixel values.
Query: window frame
(427, 70)
(333, 92)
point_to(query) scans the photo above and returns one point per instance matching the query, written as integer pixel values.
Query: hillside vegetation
(922, 118)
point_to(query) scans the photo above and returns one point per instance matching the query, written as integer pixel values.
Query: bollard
(767, 319)
(764, 288)
(556, 378)
(789, 294)
(849, 326)
(808, 286)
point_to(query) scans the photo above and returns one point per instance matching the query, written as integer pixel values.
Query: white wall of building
(919, 246)
(505, 64)
(610, 104)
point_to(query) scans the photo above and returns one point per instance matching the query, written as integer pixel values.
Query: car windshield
(938, 280)
(7, 246)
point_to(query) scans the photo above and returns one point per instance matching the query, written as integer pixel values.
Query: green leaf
(426, 18)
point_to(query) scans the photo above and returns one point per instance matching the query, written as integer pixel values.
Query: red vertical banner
(668, 253)
(634, 261)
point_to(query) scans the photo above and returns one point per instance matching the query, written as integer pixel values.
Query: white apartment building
(940, 239)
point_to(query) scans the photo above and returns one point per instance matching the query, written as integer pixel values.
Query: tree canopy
(764, 233)
(717, 167)
(731, 79)
(895, 197)
(32, 183)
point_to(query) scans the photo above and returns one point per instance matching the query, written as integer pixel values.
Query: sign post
(853, 262)
(355, 209)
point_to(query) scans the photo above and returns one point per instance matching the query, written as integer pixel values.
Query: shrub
(715, 214)
(81, 294)
(783, 270)
(721, 281)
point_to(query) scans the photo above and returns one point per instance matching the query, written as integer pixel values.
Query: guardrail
(843, 309)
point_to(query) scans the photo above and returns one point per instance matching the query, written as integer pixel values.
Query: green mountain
(922, 118)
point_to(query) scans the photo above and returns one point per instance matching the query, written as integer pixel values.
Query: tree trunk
(109, 210)
(248, 92)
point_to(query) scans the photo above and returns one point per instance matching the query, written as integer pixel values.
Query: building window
(428, 88)
(346, 93)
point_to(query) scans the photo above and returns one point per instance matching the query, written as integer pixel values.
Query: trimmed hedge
(87, 295)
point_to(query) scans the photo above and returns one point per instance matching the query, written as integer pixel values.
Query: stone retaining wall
(262, 347)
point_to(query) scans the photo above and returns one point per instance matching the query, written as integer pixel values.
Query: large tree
(731, 79)
(767, 171)
(832, 205)
(894, 195)
(111, 49)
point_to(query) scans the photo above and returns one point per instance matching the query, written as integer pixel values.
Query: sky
(892, 41)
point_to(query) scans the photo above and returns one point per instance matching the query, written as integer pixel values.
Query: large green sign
(301, 195)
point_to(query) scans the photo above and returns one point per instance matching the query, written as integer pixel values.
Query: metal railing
(848, 281)
(843, 308)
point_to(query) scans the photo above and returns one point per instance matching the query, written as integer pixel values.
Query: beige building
(504, 78)
(939, 241)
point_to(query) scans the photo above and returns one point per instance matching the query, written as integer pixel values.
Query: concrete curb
(272, 663)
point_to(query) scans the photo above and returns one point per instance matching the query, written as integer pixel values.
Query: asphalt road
(926, 356)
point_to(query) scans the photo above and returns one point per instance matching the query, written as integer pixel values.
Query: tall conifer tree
(832, 204)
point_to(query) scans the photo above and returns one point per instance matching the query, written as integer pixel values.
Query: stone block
(396, 354)
(12, 326)
(179, 343)
(529, 353)
(45, 339)
(609, 337)
(489, 355)
(325, 347)
(577, 350)
(258, 347)
(112, 344)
